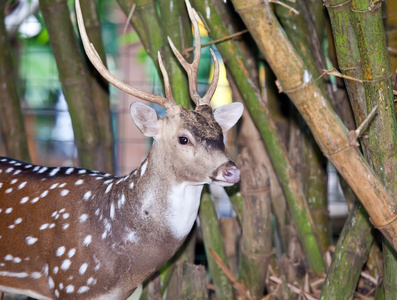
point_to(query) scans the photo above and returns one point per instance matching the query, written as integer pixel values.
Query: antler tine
(167, 86)
(192, 69)
(98, 64)
(214, 83)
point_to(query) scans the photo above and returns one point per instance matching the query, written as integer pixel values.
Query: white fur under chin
(184, 201)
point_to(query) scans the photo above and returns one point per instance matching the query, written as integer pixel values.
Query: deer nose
(232, 175)
(226, 174)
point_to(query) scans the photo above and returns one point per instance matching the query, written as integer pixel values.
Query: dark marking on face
(202, 125)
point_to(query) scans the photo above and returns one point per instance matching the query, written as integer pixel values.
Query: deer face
(191, 142)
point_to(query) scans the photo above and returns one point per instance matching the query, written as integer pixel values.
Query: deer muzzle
(226, 174)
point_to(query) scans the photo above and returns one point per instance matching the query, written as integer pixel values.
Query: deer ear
(228, 115)
(146, 119)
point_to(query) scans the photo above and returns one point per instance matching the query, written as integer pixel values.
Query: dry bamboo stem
(329, 131)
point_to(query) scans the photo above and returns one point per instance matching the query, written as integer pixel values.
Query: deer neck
(167, 202)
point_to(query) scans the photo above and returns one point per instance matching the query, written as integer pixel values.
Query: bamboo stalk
(73, 77)
(99, 89)
(260, 113)
(300, 31)
(368, 26)
(256, 241)
(349, 61)
(213, 241)
(12, 123)
(176, 25)
(330, 134)
(350, 255)
(188, 283)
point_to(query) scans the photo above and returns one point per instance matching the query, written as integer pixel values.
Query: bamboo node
(375, 5)
(328, 5)
(281, 90)
(257, 256)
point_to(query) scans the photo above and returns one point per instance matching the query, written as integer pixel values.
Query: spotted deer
(72, 233)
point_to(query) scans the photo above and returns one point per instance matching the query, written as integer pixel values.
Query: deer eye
(183, 140)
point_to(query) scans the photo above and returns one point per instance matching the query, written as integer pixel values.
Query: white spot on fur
(121, 201)
(83, 289)
(66, 264)
(64, 193)
(8, 210)
(60, 251)
(14, 274)
(112, 212)
(54, 171)
(51, 284)
(79, 182)
(69, 289)
(109, 188)
(30, 240)
(64, 227)
(131, 236)
(87, 195)
(43, 194)
(69, 171)
(91, 281)
(44, 226)
(54, 186)
(35, 275)
(83, 268)
(43, 169)
(83, 218)
(143, 168)
(71, 252)
(87, 240)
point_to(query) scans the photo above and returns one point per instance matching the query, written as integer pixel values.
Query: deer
(74, 233)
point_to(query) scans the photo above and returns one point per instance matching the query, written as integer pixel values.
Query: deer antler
(92, 54)
(192, 68)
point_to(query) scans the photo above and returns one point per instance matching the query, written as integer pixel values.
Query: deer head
(73, 233)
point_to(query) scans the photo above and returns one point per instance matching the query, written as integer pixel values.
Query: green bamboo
(256, 242)
(349, 61)
(176, 25)
(213, 240)
(391, 30)
(73, 77)
(331, 135)
(369, 29)
(267, 128)
(299, 30)
(188, 283)
(99, 88)
(12, 123)
(350, 255)
(317, 13)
